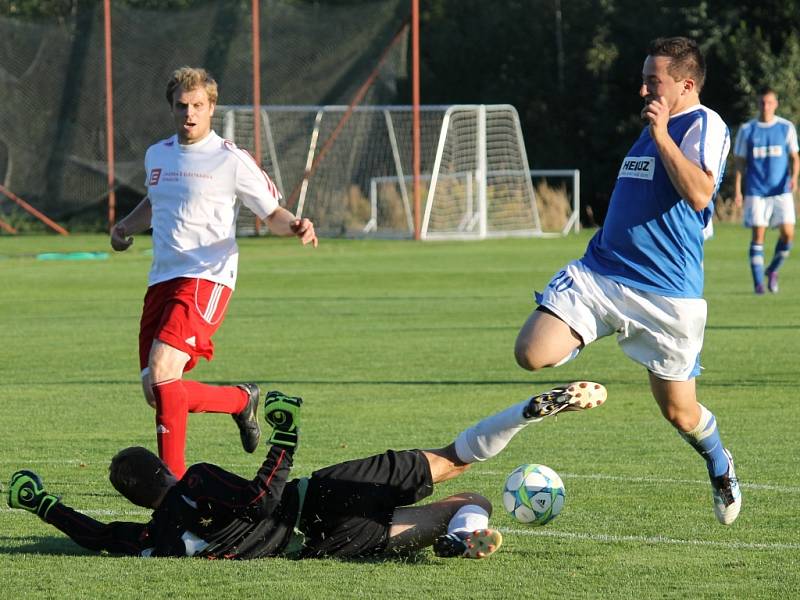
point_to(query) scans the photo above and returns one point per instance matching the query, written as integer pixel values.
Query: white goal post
(349, 170)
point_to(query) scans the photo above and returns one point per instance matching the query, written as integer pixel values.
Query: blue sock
(705, 439)
(757, 263)
(781, 254)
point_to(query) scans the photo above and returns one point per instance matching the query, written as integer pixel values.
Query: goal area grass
(396, 344)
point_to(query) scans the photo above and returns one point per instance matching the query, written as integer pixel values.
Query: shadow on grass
(42, 545)
(61, 546)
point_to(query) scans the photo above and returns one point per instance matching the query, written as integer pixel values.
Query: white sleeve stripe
(252, 165)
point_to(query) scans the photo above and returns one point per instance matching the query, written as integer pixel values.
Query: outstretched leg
(458, 526)
(489, 437)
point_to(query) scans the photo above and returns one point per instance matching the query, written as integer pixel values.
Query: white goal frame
(474, 220)
(362, 187)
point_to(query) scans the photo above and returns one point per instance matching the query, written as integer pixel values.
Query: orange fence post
(43, 218)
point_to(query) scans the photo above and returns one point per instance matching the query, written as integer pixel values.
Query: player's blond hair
(190, 78)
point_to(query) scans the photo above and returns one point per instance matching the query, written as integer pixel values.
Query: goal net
(480, 185)
(349, 170)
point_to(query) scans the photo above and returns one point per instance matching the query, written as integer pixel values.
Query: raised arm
(224, 492)
(137, 221)
(282, 413)
(695, 185)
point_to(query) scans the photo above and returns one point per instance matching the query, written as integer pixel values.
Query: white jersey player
(193, 182)
(641, 277)
(766, 152)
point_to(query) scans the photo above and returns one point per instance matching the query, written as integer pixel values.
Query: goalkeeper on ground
(359, 508)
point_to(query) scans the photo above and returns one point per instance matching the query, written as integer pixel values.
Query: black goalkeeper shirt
(210, 512)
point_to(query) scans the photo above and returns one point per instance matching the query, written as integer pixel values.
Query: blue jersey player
(641, 277)
(763, 149)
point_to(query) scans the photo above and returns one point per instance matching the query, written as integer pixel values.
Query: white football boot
(581, 395)
(726, 493)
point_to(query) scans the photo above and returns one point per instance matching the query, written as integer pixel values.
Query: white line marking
(662, 480)
(242, 468)
(605, 538)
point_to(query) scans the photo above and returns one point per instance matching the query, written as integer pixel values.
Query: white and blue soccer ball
(533, 494)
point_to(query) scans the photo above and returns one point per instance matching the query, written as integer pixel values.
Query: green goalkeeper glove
(26, 491)
(283, 415)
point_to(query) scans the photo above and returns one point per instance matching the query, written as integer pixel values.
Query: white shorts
(664, 334)
(769, 211)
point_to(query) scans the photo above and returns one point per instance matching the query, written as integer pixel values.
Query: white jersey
(193, 191)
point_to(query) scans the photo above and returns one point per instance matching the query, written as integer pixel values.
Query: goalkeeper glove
(26, 491)
(283, 415)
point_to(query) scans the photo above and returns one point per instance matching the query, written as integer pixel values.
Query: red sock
(202, 397)
(171, 414)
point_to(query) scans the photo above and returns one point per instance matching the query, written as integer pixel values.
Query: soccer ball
(533, 494)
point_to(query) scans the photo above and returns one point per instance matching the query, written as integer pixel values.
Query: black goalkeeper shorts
(348, 507)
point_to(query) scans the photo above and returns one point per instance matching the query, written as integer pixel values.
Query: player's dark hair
(192, 78)
(764, 90)
(139, 475)
(687, 60)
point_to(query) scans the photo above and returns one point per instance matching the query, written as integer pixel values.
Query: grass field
(397, 344)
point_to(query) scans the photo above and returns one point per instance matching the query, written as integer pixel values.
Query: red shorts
(183, 313)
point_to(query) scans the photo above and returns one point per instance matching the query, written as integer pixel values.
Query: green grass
(397, 344)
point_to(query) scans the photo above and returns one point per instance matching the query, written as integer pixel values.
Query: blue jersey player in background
(641, 277)
(763, 148)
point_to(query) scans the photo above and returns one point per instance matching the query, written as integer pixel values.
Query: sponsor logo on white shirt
(638, 167)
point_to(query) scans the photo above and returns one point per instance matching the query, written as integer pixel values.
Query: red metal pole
(257, 90)
(359, 96)
(7, 227)
(112, 196)
(415, 99)
(42, 217)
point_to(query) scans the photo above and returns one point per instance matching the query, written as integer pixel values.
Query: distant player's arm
(740, 163)
(795, 170)
(137, 221)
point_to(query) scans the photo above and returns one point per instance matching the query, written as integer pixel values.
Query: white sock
(488, 437)
(468, 518)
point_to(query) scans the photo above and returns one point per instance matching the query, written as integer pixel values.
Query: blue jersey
(652, 239)
(766, 147)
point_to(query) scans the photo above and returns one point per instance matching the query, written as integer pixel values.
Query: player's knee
(529, 359)
(479, 500)
(526, 357)
(680, 419)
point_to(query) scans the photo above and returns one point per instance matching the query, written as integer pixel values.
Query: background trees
(571, 67)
